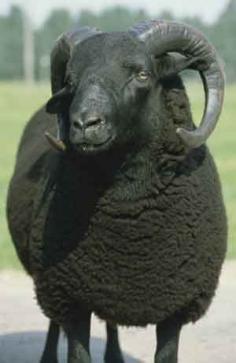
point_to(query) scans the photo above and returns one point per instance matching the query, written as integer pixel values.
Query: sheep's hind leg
(167, 342)
(50, 349)
(113, 352)
(78, 334)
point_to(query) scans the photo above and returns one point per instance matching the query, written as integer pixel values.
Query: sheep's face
(110, 77)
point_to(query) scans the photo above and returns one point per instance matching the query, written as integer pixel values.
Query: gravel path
(22, 327)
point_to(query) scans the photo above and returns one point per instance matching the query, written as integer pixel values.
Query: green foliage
(11, 45)
(116, 18)
(18, 102)
(58, 22)
(223, 37)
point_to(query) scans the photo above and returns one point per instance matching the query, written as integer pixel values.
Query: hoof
(113, 358)
(49, 360)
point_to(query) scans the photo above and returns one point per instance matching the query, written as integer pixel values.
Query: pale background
(38, 10)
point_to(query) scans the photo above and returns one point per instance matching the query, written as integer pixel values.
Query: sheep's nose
(78, 124)
(94, 121)
(90, 121)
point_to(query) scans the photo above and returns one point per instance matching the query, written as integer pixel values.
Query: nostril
(77, 124)
(88, 122)
(94, 121)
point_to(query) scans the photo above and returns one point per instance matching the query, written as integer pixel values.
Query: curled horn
(162, 37)
(60, 56)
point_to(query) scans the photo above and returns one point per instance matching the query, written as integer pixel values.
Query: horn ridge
(161, 37)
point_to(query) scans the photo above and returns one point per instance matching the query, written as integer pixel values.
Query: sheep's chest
(121, 251)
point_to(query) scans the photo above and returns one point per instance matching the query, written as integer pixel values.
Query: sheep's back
(31, 162)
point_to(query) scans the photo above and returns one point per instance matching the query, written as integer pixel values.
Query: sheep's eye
(143, 76)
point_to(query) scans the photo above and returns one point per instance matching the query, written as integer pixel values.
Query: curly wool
(135, 247)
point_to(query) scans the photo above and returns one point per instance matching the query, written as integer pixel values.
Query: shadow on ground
(26, 347)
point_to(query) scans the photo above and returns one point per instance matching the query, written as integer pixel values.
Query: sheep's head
(102, 82)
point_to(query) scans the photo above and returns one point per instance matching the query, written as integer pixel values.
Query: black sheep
(126, 218)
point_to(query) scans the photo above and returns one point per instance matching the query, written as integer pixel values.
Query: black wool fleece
(135, 238)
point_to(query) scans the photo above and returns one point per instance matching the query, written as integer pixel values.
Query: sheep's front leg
(78, 335)
(50, 349)
(167, 342)
(113, 352)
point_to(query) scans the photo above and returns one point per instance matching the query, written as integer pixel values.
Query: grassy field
(18, 102)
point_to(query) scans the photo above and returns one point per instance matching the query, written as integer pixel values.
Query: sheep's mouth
(87, 147)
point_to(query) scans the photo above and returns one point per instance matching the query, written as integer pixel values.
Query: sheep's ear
(172, 63)
(56, 104)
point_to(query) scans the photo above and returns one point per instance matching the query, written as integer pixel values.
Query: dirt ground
(22, 327)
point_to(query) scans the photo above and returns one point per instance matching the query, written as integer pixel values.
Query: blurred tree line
(221, 33)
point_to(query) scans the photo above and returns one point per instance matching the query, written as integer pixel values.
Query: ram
(121, 213)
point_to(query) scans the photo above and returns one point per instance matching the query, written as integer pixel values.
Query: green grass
(17, 103)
